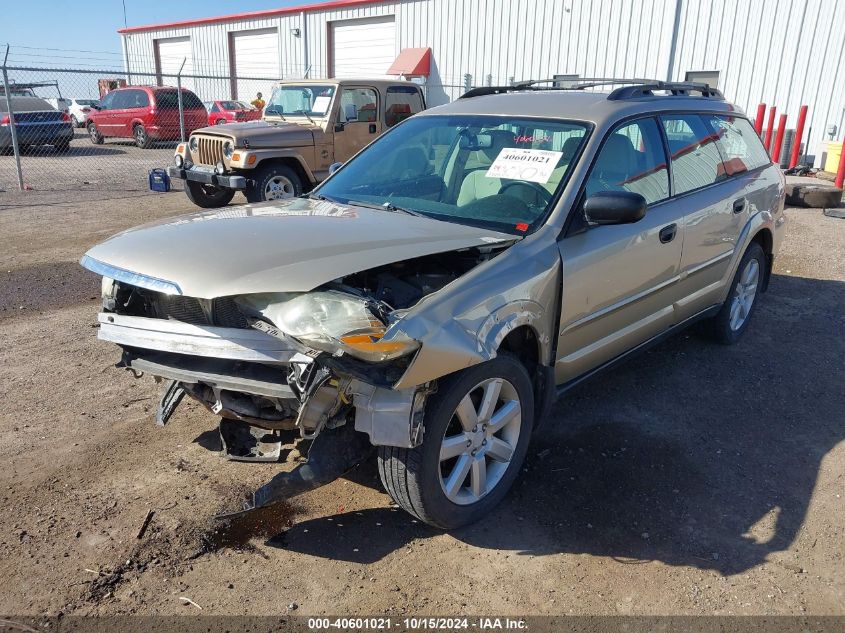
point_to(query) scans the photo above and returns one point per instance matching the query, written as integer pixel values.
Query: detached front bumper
(224, 181)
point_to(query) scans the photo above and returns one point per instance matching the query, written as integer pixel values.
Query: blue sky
(40, 25)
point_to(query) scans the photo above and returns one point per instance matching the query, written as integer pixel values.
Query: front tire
(208, 196)
(274, 182)
(94, 134)
(730, 323)
(476, 432)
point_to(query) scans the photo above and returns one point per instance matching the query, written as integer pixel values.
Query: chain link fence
(56, 135)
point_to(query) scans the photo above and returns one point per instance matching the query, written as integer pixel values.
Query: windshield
(498, 172)
(308, 99)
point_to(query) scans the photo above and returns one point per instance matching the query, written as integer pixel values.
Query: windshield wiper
(386, 206)
(277, 111)
(321, 197)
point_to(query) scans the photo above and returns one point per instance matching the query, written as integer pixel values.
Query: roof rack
(631, 88)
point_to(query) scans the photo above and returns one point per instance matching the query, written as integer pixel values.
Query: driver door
(620, 281)
(358, 121)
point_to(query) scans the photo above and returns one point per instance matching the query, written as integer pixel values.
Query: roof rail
(677, 89)
(631, 88)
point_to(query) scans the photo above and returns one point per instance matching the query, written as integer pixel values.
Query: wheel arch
(294, 162)
(765, 239)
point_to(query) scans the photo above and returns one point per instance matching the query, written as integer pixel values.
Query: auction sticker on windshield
(321, 104)
(534, 165)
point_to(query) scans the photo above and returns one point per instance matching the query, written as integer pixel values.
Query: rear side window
(401, 103)
(739, 144)
(135, 99)
(632, 159)
(169, 100)
(696, 161)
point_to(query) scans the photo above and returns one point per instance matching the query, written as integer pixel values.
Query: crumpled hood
(284, 246)
(264, 134)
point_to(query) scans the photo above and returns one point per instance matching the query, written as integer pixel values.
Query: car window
(107, 102)
(401, 103)
(135, 99)
(501, 172)
(739, 144)
(169, 100)
(120, 99)
(632, 158)
(231, 105)
(358, 105)
(696, 161)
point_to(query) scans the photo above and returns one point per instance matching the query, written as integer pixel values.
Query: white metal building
(780, 52)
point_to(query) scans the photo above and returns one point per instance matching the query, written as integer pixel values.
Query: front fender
(261, 155)
(464, 324)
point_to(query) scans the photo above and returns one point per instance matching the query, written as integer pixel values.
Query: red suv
(146, 114)
(220, 112)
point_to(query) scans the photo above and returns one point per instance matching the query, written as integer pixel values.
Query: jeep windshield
(300, 100)
(498, 172)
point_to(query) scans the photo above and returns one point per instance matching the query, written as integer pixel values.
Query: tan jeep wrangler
(308, 125)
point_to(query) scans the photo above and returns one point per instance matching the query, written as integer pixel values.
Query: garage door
(255, 62)
(363, 48)
(169, 54)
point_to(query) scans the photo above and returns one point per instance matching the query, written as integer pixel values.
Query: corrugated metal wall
(782, 52)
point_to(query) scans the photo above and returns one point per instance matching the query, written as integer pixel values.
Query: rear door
(620, 281)
(358, 121)
(718, 171)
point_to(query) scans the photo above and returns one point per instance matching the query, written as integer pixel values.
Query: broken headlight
(332, 322)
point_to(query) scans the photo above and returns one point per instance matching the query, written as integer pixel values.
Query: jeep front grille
(210, 150)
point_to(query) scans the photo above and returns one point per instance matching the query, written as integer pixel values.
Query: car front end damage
(333, 371)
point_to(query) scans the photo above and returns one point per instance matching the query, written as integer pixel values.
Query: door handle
(739, 205)
(667, 233)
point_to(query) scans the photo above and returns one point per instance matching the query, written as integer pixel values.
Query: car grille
(210, 150)
(224, 312)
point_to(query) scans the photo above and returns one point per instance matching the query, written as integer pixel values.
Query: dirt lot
(116, 165)
(695, 480)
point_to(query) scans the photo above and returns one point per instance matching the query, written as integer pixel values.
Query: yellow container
(834, 151)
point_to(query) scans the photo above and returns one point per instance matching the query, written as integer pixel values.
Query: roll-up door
(362, 48)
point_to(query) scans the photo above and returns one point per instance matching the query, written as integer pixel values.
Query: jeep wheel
(274, 182)
(476, 431)
(94, 134)
(208, 196)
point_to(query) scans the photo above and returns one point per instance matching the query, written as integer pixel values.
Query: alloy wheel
(744, 294)
(479, 441)
(278, 188)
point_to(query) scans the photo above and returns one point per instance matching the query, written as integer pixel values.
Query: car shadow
(691, 454)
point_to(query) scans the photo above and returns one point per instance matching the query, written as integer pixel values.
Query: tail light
(65, 117)
(6, 120)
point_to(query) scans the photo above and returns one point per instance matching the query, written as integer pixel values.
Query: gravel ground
(696, 479)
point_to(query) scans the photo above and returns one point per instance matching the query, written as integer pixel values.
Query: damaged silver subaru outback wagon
(435, 294)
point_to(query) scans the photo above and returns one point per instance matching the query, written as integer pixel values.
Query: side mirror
(615, 207)
(339, 127)
(334, 167)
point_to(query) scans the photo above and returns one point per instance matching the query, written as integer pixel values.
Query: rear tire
(142, 139)
(448, 481)
(94, 134)
(74, 121)
(730, 323)
(220, 122)
(208, 196)
(274, 182)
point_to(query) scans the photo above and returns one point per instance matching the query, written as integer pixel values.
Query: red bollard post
(840, 171)
(768, 140)
(761, 115)
(779, 140)
(799, 132)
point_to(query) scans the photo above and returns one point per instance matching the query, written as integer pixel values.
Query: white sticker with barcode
(533, 165)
